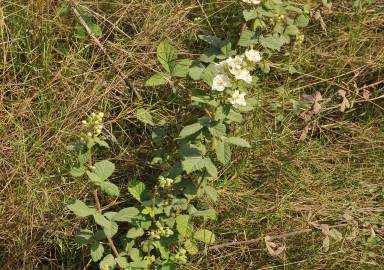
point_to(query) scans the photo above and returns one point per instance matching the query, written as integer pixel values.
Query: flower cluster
(254, 2)
(165, 182)
(94, 124)
(157, 234)
(234, 69)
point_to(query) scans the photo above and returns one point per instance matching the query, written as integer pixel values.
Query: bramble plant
(165, 225)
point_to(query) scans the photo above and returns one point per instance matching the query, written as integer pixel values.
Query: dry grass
(50, 81)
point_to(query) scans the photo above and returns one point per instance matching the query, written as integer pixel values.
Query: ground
(53, 76)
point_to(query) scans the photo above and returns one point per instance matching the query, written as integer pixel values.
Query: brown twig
(271, 238)
(72, 6)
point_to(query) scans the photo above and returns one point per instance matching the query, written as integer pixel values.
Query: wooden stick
(72, 6)
(271, 238)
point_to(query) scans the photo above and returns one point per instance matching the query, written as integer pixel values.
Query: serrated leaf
(191, 129)
(249, 14)
(191, 247)
(247, 38)
(205, 236)
(135, 232)
(77, 171)
(181, 68)
(104, 169)
(214, 41)
(218, 130)
(301, 20)
(108, 263)
(110, 228)
(206, 214)
(196, 70)
(122, 262)
(272, 42)
(109, 188)
(184, 225)
(156, 80)
(211, 168)
(238, 141)
(192, 164)
(138, 190)
(223, 152)
(211, 193)
(291, 30)
(79, 208)
(126, 214)
(166, 55)
(84, 237)
(97, 251)
(144, 116)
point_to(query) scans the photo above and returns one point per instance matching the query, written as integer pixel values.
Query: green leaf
(166, 55)
(235, 116)
(247, 38)
(301, 20)
(205, 236)
(191, 129)
(96, 30)
(238, 141)
(211, 168)
(214, 41)
(191, 247)
(209, 74)
(272, 42)
(211, 193)
(79, 208)
(108, 263)
(104, 169)
(196, 70)
(181, 68)
(135, 232)
(291, 30)
(156, 80)
(192, 164)
(189, 150)
(135, 255)
(77, 171)
(101, 142)
(226, 49)
(206, 214)
(126, 214)
(84, 237)
(109, 188)
(168, 266)
(249, 14)
(144, 116)
(223, 152)
(138, 190)
(97, 251)
(184, 225)
(218, 130)
(110, 228)
(122, 262)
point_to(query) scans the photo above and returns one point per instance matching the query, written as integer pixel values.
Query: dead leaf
(344, 105)
(342, 93)
(273, 249)
(304, 133)
(318, 97)
(326, 243)
(366, 94)
(335, 234)
(316, 108)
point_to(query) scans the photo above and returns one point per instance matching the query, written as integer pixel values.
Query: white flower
(243, 74)
(253, 56)
(238, 98)
(255, 2)
(220, 82)
(235, 63)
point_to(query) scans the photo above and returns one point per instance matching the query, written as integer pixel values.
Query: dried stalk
(72, 6)
(271, 238)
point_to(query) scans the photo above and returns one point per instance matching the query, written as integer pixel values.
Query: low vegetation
(285, 161)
